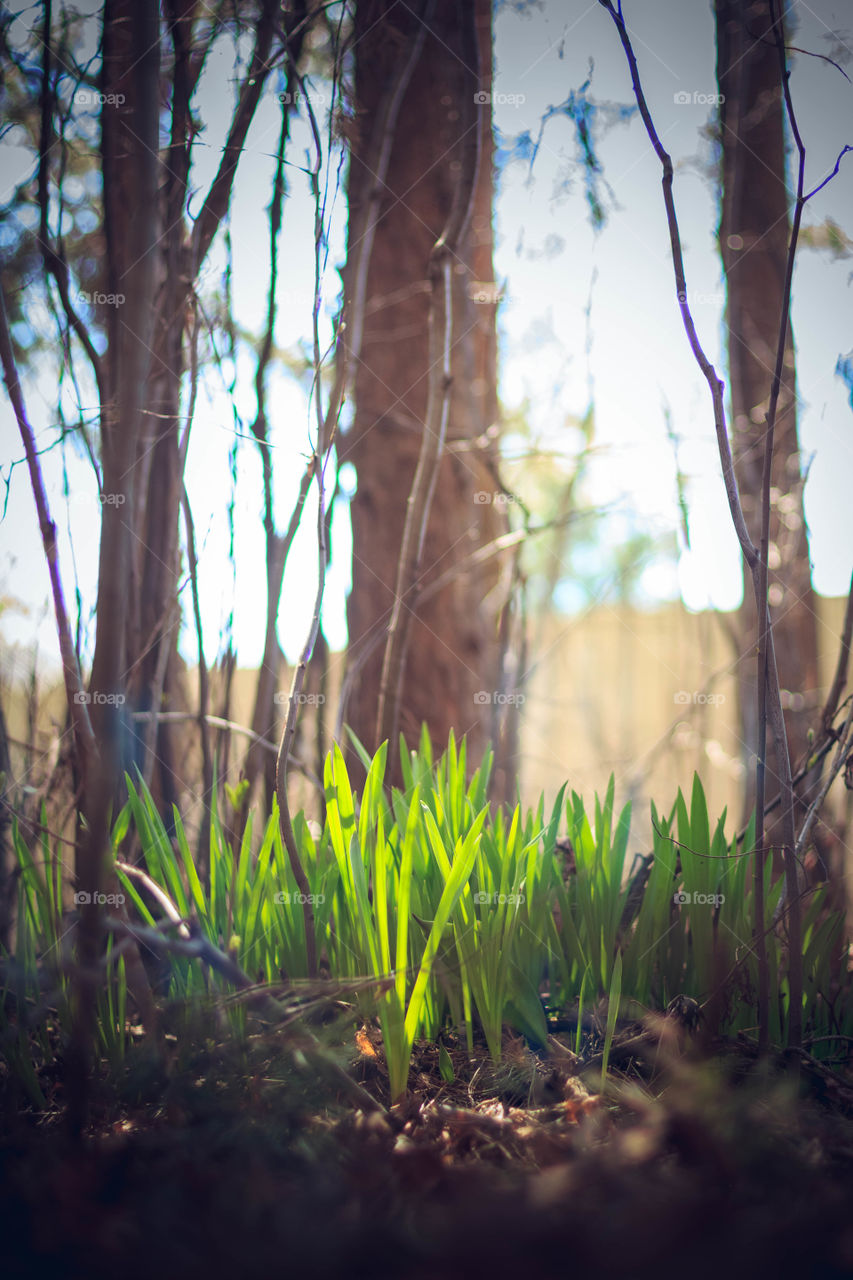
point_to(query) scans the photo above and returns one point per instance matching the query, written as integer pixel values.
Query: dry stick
(88, 754)
(790, 841)
(169, 619)
(168, 906)
(277, 549)
(199, 947)
(327, 426)
(769, 690)
(841, 668)
(285, 821)
(440, 276)
(496, 547)
(815, 758)
(206, 225)
(783, 762)
(842, 757)
(830, 735)
(216, 202)
(203, 856)
(75, 695)
(750, 553)
(54, 261)
(326, 431)
(231, 726)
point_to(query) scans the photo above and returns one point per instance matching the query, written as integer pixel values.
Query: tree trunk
(754, 233)
(153, 623)
(129, 154)
(453, 659)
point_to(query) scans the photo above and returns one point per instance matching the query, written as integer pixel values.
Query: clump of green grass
(461, 912)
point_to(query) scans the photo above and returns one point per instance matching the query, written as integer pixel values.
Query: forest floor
(247, 1162)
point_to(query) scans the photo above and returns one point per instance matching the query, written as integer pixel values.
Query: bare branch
(199, 947)
(769, 692)
(842, 759)
(54, 262)
(166, 903)
(75, 695)
(820, 186)
(203, 691)
(231, 726)
(750, 551)
(327, 426)
(840, 678)
(218, 197)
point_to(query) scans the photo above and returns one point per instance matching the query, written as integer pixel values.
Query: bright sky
(546, 257)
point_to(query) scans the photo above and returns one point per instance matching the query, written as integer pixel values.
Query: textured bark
(754, 231)
(453, 652)
(129, 156)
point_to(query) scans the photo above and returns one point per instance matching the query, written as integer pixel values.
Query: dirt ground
(249, 1162)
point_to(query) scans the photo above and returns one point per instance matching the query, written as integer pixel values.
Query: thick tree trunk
(453, 651)
(754, 232)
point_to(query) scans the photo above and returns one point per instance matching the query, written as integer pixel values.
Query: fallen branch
(201, 948)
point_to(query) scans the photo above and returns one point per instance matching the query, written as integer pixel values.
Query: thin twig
(218, 197)
(842, 758)
(231, 726)
(54, 262)
(203, 693)
(839, 680)
(327, 427)
(749, 551)
(160, 894)
(277, 549)
(75, 694)
(201, 948)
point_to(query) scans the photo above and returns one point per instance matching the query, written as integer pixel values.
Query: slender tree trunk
(153, 624)
(129, 150)
(453, 651)
(754, 232)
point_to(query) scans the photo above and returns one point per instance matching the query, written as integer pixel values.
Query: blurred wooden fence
(647, 695)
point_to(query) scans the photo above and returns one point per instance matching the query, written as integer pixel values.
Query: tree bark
(453, 652)
(754, 232)
(129, 121)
